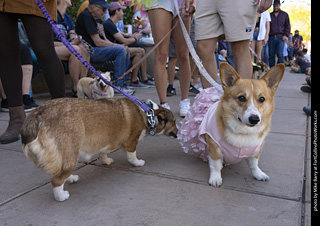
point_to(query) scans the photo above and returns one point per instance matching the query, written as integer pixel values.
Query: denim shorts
(255, 36)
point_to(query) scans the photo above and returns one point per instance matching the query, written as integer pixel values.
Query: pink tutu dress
(200, 120)
(189, 131)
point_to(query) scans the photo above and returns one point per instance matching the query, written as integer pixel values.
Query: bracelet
(135, 39)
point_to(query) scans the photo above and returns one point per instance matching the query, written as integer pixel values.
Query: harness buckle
(151, 122)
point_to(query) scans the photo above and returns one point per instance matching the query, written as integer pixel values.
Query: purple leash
(56, 30)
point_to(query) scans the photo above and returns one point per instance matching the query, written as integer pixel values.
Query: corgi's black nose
(254, 119)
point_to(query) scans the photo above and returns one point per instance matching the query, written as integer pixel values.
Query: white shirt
(265, 17)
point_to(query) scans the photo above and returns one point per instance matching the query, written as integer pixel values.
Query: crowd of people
(98, 35)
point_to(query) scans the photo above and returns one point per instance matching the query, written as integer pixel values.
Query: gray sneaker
(124, 89)
(149, 83)
(139, 85)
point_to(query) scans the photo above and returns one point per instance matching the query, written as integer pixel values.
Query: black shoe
(306, 89)
(193, 89)
(4, 105)
(171, 91)
(307, 110)
(29, 102)
(74, 93)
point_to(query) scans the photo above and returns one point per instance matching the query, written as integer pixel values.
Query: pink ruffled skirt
(189, 131)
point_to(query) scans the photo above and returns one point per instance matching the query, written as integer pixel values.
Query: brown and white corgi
(232, 127)
(57, 132)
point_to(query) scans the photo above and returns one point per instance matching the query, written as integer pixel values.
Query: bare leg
(241, 55)
(171, 69)
(205, 49)
(161, 23)
(26, 80)
(182, 54)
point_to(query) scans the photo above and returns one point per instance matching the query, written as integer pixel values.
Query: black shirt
(110, 29)
(86, 25)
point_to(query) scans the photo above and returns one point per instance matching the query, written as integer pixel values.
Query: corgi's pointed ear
(228, 75)
(274, 76)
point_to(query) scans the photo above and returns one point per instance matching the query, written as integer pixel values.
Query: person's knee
(161, 57)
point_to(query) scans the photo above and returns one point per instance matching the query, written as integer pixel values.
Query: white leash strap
(194, 55)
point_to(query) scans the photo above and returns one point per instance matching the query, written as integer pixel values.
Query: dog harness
(231, 154)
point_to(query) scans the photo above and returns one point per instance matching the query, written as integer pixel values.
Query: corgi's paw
(215, 181)
(139, 162)
(132, 158)
(73, 178)
(260, 175)
(108, 161)
(59, 194)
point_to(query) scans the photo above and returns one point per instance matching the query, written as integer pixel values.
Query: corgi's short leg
(73, 178)
(58, 181)
(132, 158)
(215, 162)
(59, 194)
(215, 172)
(105, 159)
(256, 171)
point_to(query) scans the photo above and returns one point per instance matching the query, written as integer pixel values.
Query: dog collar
(94, 92)
(150, 119)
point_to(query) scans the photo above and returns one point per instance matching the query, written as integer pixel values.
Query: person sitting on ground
(89, 26)
(302, 65)
(76, 69)
(306, 55)
(27, 69)
(136, 53)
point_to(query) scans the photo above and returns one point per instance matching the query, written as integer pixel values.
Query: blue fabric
(275, 47)
(117, 53)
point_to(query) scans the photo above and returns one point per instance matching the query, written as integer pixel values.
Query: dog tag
(152, 132)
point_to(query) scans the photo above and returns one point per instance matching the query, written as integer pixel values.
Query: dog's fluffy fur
(57, 132)
(95, 88)
(233, 127)
(243, 99)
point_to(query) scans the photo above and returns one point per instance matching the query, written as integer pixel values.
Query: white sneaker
(184, 107)
(165, 105)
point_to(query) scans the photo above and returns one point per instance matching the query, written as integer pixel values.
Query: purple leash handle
(84, 62)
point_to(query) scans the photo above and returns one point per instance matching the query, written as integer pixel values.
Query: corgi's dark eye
(242, 99)
(262, 99)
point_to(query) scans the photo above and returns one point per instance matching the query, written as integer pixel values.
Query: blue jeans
(275, 47)
(265, 54)
(117, 53)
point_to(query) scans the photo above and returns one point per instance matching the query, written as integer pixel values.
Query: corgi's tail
(39, 152)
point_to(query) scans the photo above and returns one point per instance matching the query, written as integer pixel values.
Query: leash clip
(151, 122)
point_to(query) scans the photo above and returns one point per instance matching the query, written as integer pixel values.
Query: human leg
(205, 49)
(11, 75)
(272, 51)
(136, 54)
(40, 35)
(11, 72)
(241, 54)
(280, 44)
(161, 22)
(117, 53)
(182, 54)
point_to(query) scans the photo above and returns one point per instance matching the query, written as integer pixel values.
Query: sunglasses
(102, 8)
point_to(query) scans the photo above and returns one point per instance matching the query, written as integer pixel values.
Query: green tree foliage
(300, 17)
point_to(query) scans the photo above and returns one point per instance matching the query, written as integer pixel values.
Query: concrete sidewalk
(172, 188)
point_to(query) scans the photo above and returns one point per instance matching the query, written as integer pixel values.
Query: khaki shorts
(234, 18)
